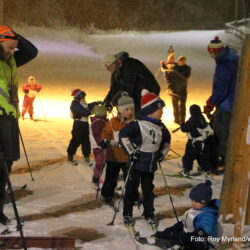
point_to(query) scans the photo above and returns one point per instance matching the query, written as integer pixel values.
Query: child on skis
(199, 134)
(80, 111)
(116, 159)
(97, 124)
(197, 224)
(31, 90)
(146, 141)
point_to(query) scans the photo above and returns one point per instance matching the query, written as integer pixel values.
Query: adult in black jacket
(10, 59)
(128, 75)
(177, 79)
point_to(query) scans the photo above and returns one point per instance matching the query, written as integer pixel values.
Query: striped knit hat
(7, 33)
(78, 94)
(150, 102)
(215, 45)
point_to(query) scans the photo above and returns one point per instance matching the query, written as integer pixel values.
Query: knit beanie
(125, 102)
(78, 94)
(7, 33)
(150, 102)
(215, 45)
(202, 192)
(109, 60)
(100, 110)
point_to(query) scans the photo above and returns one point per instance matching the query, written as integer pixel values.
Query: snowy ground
(61, 200)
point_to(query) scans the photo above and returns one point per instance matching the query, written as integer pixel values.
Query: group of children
(135, 143)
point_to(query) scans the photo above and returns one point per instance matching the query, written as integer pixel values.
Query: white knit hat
(125, 102)
(109, 60)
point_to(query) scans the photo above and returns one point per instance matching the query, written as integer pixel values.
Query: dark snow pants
(9, 150)
(195, 152)
(111, 178)
(179, 106)
(221, 123)
(131, 193)
(80, 136)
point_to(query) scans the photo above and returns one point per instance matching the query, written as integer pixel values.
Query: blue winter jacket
(225, 79)
(132, 134)
(207, 220)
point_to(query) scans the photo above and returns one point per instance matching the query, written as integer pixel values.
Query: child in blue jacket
(146, 140)
(197, 224)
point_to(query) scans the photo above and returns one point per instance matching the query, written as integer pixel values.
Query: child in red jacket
(30, 89)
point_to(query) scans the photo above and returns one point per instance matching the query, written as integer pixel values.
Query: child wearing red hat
(80, 111)
(146, 140)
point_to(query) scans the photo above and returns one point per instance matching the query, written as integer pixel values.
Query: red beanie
(78, 94)
(215, 45)
(150, 102)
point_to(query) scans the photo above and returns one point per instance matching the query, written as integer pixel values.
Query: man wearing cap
(222, 97)
(14, 52)
(128, 75)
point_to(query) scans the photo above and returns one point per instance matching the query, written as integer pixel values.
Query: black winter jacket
(132, 76)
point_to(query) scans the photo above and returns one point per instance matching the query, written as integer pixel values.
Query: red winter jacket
(31, 90)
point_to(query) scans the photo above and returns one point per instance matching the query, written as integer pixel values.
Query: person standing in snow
(31, 90)
(198, 224)
(223, 91)
(97, 125)
(198, 145)
(116, 159)
(128, 75)
(15, 51)
(177, 75)
(146, 140)
(80, 111)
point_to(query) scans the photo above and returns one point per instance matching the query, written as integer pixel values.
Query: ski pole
(122, 194)
(175, 152)
(19, 225)
(26, 156)
(41, 106)
(157, 72)
(170, 197)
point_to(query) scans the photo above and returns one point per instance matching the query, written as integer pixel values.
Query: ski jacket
(31, 90)
(225, 78)
(198, 130)
(132, 77)
(96, 128)
(207, 219)
(114, 152)
(178, 78)
(149, 137)
(8, 75)
(80, 111)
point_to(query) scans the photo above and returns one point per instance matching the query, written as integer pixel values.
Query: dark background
(141, 15)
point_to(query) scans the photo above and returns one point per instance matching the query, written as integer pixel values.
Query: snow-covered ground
(61, 199)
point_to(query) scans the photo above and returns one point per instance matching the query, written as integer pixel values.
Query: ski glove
(104, 144)
(135, 155)
(208, 108)
(109, 107)
(160, 157)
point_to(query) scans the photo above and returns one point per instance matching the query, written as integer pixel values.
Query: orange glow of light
(59, 106)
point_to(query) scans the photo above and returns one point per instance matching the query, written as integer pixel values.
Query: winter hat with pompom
(78, 94)
(125, 102)
(100, 110)
(150, 102)
(202, 192)
(215, 45)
